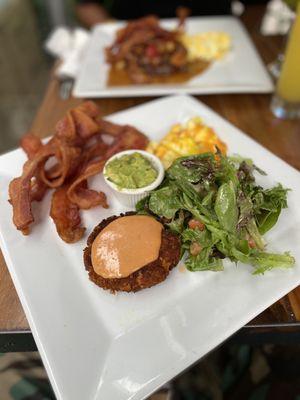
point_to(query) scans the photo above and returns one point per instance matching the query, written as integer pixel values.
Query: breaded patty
(147, 276)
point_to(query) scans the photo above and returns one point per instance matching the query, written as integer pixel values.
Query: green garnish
(219, 211)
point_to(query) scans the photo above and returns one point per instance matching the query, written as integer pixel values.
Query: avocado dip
(131, 171)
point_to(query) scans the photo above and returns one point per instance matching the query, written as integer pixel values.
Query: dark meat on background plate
(147, 50)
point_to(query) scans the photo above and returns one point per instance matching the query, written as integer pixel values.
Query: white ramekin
(129, 197)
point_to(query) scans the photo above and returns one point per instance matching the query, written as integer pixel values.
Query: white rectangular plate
(96, 345)
(241, 70)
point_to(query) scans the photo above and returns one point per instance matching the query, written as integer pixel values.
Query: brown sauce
(120, 77)
(126, 245)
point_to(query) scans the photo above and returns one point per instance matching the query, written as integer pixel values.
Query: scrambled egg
(209, 46)
(190, 138)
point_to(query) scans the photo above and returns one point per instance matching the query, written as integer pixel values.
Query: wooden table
(250, 113)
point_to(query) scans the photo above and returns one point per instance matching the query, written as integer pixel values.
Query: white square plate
(96, 345)
(241, 70)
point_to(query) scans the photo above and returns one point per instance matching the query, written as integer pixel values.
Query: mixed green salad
(219, 211)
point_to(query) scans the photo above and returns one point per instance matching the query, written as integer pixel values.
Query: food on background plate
(219, 211)
(77, 152)
(130, 252)
(207, 46)
(193, 137)
(144, 52)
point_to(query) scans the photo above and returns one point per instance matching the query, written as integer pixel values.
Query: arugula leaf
(268, 205)
(266, 221)
(204, 238)
(246, 164)
(203, 262)
(245, 209)
(193, 169)
(164, 202)
(208, 199)
(267, 261)
(195, 207)
(227, 171)
(177, 224)
(142, 206)
(254, 233)
(246, 219)
(238, 255)
(275, 197)
(226, 207)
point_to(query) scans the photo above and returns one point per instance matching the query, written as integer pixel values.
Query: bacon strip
(65, 130)
(79, 153)
(31, 144)
(89, 108)
(68, 161)
(109, 128)
(66, 216)
(129, 138)
(85, 126)
(96, 150)
(38, 189)
(81, 195)
(20, 189)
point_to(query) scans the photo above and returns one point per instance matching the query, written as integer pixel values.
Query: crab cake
(130, 252)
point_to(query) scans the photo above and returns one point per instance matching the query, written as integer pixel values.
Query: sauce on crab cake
(126, 245)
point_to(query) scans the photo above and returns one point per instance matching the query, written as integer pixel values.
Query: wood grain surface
(250, 113)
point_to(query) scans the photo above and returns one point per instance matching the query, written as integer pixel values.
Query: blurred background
(24, 65)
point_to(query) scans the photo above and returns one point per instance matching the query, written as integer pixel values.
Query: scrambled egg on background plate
(209, 46)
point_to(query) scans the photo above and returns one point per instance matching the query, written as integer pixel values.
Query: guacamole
(131, 171)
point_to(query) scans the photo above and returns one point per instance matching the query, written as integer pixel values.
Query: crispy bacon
(89, 108)
(65, 130)
(38, 189)
(20, 189)
(85, 125)
(68, 160)
(95, 150)
(66, 216)
(31, 144)
(129, 138)
(77, 152)
(109, 128)
(80, 194)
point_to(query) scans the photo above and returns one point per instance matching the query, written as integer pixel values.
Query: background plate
(96, 345)
(241, 70)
